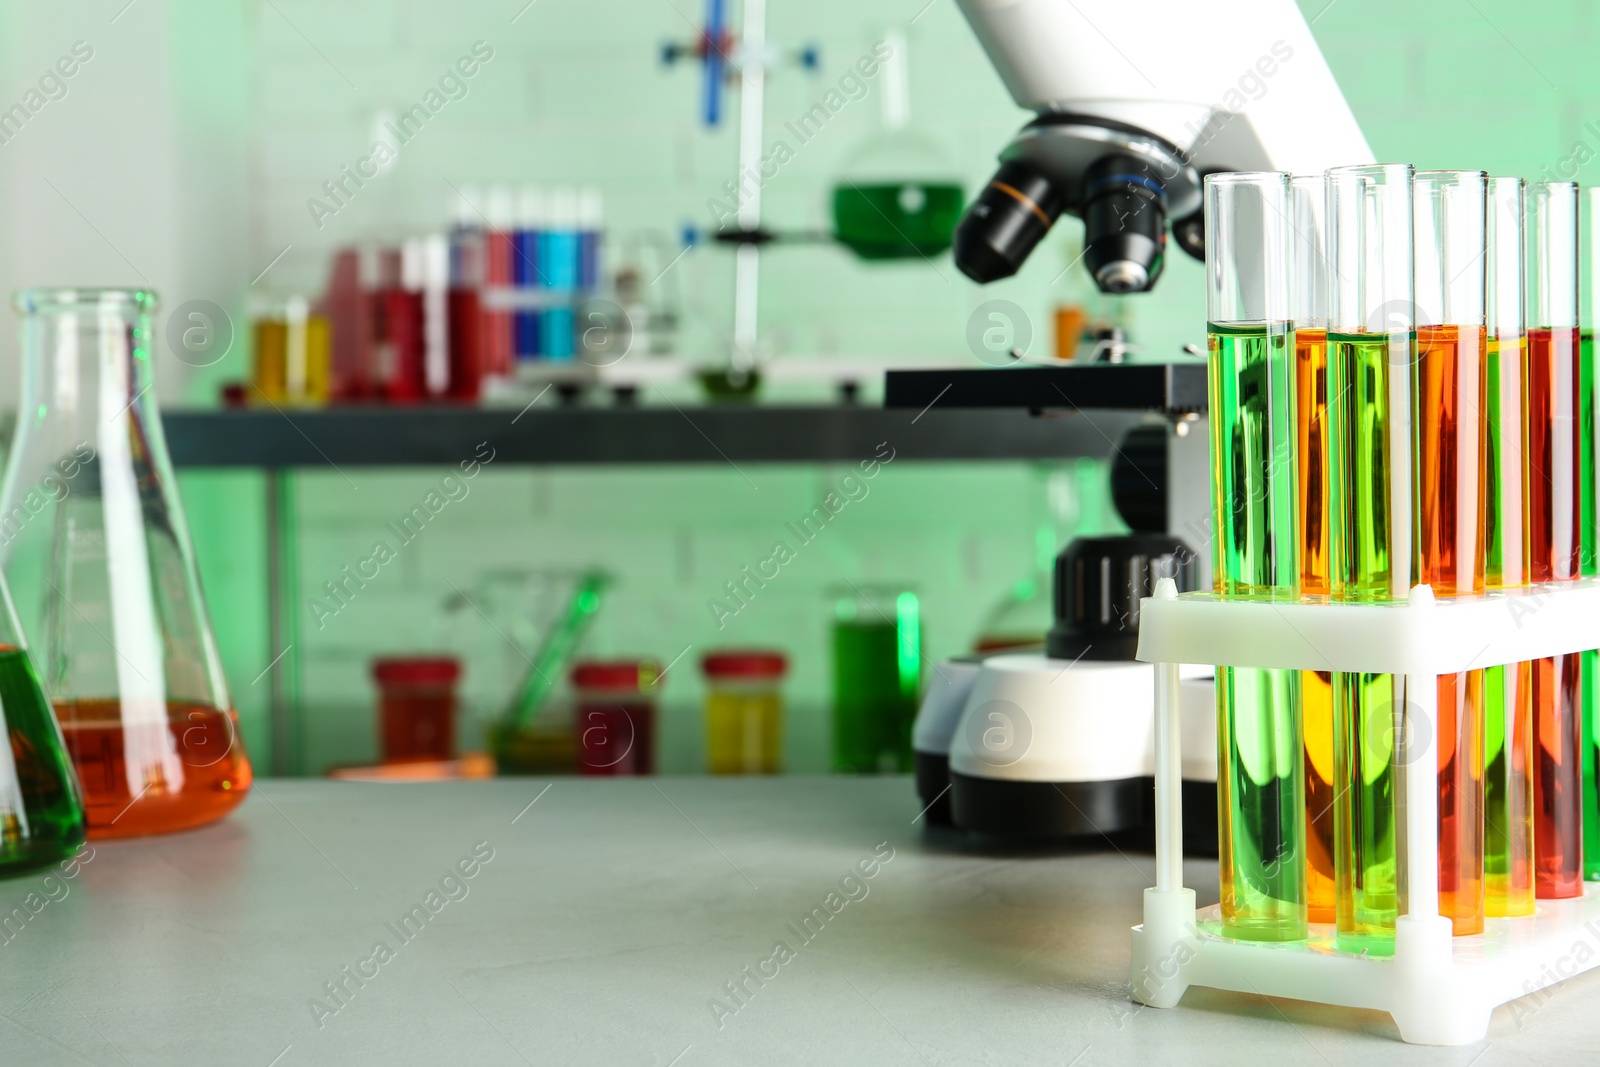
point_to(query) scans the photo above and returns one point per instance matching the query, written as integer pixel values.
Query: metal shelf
(1099, 406)
(357, 436)
(1169, 388)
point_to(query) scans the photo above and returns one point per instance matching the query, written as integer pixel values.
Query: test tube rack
(1439, 989)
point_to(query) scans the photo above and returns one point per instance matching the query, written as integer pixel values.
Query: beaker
(877, 674)
(1507, 688)
(104, 572)
(532, 625)
(1371, 349)
(1554, 507)
(1448, 490)
(1260, 773)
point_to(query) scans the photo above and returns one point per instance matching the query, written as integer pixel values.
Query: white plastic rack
(1440, 989)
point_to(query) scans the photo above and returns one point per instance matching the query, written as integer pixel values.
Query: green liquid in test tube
(1589, 662)
(1364, 705)
(1371, 352)
(1589, 534)
(1260, 779)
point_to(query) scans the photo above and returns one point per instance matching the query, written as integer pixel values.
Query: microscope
(1134, 104)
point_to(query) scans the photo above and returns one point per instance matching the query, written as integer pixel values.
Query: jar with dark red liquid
(615, 717)
(416, 707)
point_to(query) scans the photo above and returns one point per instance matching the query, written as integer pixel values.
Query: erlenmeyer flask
(897, 196)
(96, 545)
(41, 810)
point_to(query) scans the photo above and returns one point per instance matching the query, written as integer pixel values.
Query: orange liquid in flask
(191, 769)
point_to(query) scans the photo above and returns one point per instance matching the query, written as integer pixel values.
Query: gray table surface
(610, 917)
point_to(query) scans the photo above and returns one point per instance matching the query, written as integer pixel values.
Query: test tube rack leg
(1439, 989)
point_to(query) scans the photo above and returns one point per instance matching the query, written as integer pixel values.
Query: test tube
(1554, 507)
(1589, 526)
(1308, 314)
(1371, 348)
(463, 314)
(496, 340)
(405, 376)
(559, 254)
(1507, 696)
(591, 216)
(1260, 776)
(530, 220)
(1448, 411)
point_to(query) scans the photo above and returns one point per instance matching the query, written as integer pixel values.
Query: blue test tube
(558, 268)
(590, 218)
(526, 269)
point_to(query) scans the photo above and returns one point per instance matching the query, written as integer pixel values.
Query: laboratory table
(673, 921)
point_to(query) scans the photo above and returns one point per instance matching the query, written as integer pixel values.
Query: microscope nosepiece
(1012, 214)
(1124, 224)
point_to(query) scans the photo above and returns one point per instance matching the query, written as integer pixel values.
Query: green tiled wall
(576, 95)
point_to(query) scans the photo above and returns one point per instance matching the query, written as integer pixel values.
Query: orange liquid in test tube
(1553, 510)
(1451, 470)
(1316, 687)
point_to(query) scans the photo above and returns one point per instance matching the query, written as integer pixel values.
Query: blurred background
(189, 152)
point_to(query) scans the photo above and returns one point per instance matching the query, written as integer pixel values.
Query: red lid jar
(615, 716)
(744, 665)
(416, 707)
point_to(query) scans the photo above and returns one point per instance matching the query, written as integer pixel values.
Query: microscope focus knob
(1099, 582)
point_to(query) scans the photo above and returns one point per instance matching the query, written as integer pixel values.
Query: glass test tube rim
(1589, 267)
(1274, 305)
(1495, 189)
(1440, 175)
(1245, 177)
(1397, 287)
(1440, 186)
(1313, 185)
(1535, 297)
(48, 298)
(1373, 173)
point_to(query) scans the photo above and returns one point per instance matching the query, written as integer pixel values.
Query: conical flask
(897, 196)
(41, 810)
(95, 543)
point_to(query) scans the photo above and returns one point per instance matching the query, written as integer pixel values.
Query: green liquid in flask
(1261, 772)
(41, 812)
(896, 220)
(1361, 370)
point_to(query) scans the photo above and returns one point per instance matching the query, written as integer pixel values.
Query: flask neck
(86, 365)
